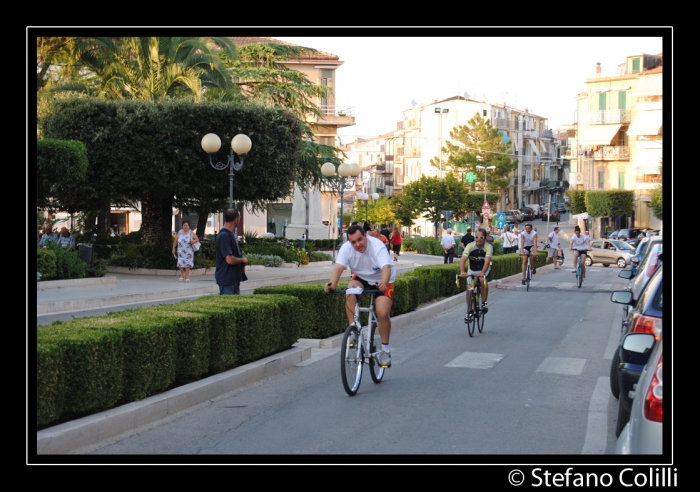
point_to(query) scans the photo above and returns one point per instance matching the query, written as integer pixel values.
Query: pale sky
(382, 75)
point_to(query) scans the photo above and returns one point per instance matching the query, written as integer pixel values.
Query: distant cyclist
(580, 244)
(528, 238)
(553, 241)
(369, 260)
(479, 255)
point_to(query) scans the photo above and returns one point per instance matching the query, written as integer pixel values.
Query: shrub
(68, 263)
(46, 263)
(267, 260)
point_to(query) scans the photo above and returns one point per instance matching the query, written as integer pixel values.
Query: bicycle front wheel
(375, 370)
(528, 276)
(579, 278)
(351, 360)
(560, 259)
(471, 321)
(480, 321)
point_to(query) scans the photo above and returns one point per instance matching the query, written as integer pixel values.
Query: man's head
(48, 229)
(469, 230)
(231, 215)
(64, 232)
(507, 228)
(528, 228)
(449, 232)
(357, 238)
(556, 229)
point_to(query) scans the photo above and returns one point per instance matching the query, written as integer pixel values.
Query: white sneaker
(584, 281)
(573, 271)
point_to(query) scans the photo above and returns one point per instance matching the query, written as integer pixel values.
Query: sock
(385, 348)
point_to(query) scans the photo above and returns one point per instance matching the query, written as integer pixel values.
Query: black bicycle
(360, 344)
(475, 315)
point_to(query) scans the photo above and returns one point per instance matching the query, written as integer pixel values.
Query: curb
(75, 282)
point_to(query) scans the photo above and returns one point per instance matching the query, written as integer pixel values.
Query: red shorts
(388, 292)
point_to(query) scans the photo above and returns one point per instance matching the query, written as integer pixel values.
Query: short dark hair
(353, 229)
(577, 228)
(183, 223)
(469, 229)
(483, 231)
(528, 225)
(231, 214)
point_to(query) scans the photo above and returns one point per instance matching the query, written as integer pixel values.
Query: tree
(405, 208)
(479, 143)
(656, 196)
(58, 162)
(431, 196)
(54, 63)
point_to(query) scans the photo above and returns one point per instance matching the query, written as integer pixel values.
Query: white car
(643, 434)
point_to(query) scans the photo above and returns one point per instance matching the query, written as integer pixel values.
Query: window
(622, 100)
(325, 141)
(484, 112)
(326, 80)
(602, 101)
(635, 64)
(622, 139)
(601, 180)
(621, 180)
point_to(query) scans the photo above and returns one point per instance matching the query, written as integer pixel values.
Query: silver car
(609, 252)
(643, 434)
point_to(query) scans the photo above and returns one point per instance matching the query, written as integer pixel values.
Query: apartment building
(619, 134)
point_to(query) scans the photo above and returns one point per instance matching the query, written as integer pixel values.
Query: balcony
(610, 116)
(514, 180)
(336, 116)
(380, 168)
(412, 151)
(612, 153)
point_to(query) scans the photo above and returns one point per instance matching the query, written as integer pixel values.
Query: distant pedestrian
(395, 241)
(184, 241)
(508, 241)
(384, 231)
(66, 239)
(448, 246)
(48, 235)
(467, 238)
(230, 263)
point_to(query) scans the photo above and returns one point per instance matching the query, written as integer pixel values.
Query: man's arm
(232, 260)
(335, 277)
(386, 275)
(462, 264)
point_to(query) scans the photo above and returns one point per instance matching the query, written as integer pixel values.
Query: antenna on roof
(413, 103)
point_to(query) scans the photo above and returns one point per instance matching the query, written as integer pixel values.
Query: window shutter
(622, 100)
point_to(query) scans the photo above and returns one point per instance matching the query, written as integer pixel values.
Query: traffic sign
(501, 220)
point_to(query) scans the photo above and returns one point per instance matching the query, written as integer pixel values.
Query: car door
(596, 253)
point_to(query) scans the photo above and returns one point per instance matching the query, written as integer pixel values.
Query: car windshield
(623, 246)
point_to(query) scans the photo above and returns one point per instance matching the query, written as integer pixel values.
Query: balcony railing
(610, 116)
(333, 110)
(611, 153)
(412, 151)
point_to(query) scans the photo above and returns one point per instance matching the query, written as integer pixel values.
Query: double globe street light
(485, 169)
(240, 145)
(343, 180)
(364, 196)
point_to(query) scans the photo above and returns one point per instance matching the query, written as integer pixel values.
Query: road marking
(476, 360)
(597, 428)
(562, 365)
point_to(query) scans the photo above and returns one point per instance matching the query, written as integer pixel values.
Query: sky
(381, 76)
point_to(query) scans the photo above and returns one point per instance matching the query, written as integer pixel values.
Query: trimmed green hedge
(88, 365)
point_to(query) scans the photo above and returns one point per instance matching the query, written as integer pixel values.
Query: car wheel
(588, 261)
(606, 264)
(614, 382)
(621, 263)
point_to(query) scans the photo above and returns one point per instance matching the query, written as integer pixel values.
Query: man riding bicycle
(580, 244)
(479, 255)
(369, 261)
(528, 238)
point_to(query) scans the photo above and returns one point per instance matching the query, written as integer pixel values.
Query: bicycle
(579, 277)
(528, 268)
(360, 345)
(560, 252)
(477, 318)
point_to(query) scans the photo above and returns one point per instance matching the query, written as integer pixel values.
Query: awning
(534, 147)
(544, 146)
(646, 123)
(647, 161)
(599, 134)
(584, 215)
(649, 86)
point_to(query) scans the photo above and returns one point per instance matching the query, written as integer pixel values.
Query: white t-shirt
(368, 265)
(528, 239)
(555, 239)
(579, 242)
(447, 241)
(508, 239)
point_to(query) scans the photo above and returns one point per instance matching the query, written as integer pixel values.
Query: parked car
(561, 208)
(511, 217)
(528, 214)
(644, 316)
(517, 216)
(554, 218)
(643, 434)
(610, 252)
(636, 240)
(640, 251)
(536, 210)
(628, 234)
(613, 235)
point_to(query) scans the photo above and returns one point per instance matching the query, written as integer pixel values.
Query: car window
(640, 280)
(595, 244)
(650, 289)
(623, 246)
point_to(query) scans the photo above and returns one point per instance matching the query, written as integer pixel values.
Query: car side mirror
(640, 343)
(626, 274)
(621, 297)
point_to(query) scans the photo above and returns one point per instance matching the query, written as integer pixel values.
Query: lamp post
(485, 169)
(364, 196)
(343, 180)
(440, 112)
(240, 144)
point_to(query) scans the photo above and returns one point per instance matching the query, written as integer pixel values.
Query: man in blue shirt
(48, 235)
(230, 263)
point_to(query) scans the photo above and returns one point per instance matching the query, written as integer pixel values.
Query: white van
(536, 210)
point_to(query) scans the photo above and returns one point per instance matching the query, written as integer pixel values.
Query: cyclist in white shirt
(553, 240)
(580, 244)
(371, 265)
(528, 238)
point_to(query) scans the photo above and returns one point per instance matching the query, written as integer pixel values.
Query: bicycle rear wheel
(560, 258)
(528, 276)
(351, 360)
(375, 370)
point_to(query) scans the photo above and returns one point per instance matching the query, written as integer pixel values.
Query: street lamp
(484, 169)
(440, 112)
(240, 144)
(343, 180)
(364, 196)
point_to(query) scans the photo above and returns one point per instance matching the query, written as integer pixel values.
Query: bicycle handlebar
(365, 291)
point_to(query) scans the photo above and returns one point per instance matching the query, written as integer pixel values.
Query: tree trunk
(156, 220)
(204, 210)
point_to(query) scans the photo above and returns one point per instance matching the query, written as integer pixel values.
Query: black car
(628, 234)
(561, 208)
(645, 315)
(528, 214)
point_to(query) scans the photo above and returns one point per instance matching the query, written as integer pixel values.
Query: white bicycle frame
(364, 330)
